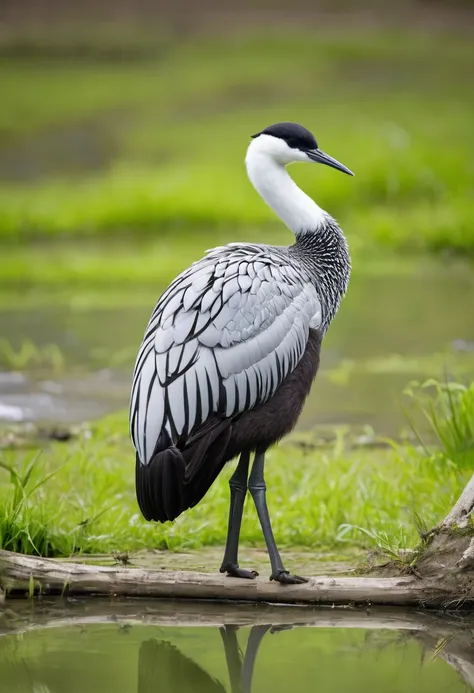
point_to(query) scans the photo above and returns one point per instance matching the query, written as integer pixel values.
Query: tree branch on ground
(462, 510)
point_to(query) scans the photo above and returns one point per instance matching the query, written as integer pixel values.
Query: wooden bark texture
(22, 575)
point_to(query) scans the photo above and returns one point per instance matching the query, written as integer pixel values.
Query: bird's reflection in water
(163, 668)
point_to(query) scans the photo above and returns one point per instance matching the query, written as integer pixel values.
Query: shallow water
(391, 328)
(152, 646)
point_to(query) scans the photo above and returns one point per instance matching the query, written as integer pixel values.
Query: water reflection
(163, 667)
(150, 647)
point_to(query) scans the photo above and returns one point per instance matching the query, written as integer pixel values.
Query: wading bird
(231, 350)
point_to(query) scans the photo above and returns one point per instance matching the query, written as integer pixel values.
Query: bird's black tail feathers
(176, 479)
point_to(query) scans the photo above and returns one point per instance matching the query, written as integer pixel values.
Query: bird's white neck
(272, 181)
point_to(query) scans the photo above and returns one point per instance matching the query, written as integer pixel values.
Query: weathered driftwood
(462, 510)
(467, 559)
(27, 574)
(449, 553)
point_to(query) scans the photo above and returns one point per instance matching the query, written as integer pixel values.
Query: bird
(231, 350)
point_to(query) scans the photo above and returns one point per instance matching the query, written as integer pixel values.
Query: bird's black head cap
(299, 138)
(296, 136)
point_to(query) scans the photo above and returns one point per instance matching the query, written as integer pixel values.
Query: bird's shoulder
(225, 263)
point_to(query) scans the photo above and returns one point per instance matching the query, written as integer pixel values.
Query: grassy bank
(79, 497)
(157, 144)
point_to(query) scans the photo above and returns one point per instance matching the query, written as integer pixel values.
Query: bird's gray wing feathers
(221, 339)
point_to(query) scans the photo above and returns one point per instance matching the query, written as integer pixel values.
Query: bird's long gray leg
(232, 655)
(257, 488)
(238, 491)
(253, 643)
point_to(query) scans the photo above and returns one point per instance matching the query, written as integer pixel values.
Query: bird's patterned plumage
(221, 340)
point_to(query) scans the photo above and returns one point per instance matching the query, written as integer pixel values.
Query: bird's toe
(284, 578)
(234, 571)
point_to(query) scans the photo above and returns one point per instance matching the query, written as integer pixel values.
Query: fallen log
(27, 575)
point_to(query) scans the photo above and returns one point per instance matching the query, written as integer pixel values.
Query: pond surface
(147, 647)
(391, 328)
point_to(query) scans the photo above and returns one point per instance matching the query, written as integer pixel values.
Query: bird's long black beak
(322, 158)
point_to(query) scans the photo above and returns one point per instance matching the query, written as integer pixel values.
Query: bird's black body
(178, 477)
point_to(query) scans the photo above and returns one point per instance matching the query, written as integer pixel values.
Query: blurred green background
(123, 132)
(110, 129)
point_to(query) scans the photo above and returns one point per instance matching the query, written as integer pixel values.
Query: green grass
(450, 413)
(89, 505)
(394, 107)
(30, 356)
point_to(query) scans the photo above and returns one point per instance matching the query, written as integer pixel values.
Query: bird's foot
(233, 570)
(284, 578)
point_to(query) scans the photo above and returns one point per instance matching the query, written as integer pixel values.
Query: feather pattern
(221, 340)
